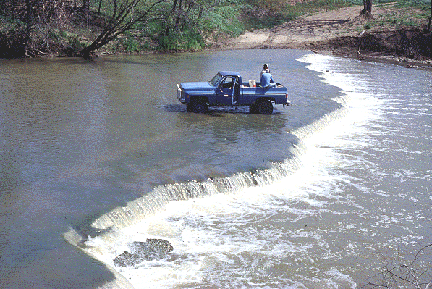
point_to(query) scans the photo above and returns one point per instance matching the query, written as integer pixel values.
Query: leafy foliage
(223, 20)
(73, 27)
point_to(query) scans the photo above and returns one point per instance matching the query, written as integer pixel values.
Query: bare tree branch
(119, 23)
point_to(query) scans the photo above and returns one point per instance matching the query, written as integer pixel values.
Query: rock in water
(151, 249)
(125, 259)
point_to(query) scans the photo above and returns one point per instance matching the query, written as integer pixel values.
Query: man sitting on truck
(265, 69)
(267, 80)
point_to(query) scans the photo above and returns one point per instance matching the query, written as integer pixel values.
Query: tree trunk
(86, 10)
(100, 6)
(86, 6)
(430, 20)
(119, 24)
(29, 26)
(367, 8)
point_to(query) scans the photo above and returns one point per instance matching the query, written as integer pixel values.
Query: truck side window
(228, 82)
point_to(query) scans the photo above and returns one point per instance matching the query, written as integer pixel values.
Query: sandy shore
(323, 32)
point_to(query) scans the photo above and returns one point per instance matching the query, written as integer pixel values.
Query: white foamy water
(300, 224)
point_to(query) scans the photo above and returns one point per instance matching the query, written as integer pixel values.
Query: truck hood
(196, 86)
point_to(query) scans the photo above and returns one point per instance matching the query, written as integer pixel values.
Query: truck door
(225, 93)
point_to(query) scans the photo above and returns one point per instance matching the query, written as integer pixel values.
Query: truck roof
(224, 73)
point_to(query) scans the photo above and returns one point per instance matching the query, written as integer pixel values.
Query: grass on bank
(401, 14)
(272, 13)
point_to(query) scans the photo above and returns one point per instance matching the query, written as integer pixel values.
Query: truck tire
(264, 107)
(197, 106)
(253, 109)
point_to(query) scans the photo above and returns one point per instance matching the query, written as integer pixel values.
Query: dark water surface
(88, 149)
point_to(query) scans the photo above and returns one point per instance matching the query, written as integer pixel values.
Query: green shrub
(181, 40)
(222, 20)
(130, 44)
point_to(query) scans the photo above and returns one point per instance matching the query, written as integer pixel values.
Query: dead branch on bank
(414, 274)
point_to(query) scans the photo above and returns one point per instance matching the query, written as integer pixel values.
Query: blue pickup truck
(228, 89)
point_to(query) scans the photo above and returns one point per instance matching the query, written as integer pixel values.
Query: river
(331, 192)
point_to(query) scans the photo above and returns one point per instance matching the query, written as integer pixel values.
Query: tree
(29, 24)
(192, 24)
(99, 6)
(430, 20)
(367, 8)
(86, 5)
(33, 23)
(123, 16)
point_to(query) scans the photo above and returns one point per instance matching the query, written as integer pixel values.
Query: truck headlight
(180, 94)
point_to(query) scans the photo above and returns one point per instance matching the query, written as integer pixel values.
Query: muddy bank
(345, 32)
(410, 47)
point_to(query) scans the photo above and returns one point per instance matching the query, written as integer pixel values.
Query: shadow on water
(215, 111)
(33, 251)
(173, 108)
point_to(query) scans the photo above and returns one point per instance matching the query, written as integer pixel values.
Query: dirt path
(322, 31)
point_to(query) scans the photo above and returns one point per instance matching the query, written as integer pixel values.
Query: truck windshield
(216, 80)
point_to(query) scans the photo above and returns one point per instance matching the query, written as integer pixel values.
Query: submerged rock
(151, 249)
(125, 259)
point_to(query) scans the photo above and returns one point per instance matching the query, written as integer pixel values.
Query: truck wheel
(253, 109)
(265, 107)
(198, 107)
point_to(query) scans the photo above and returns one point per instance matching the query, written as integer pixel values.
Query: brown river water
(334, 191)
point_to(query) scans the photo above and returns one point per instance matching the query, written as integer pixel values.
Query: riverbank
(394, 34)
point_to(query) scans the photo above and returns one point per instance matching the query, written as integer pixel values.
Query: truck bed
(248, 94)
